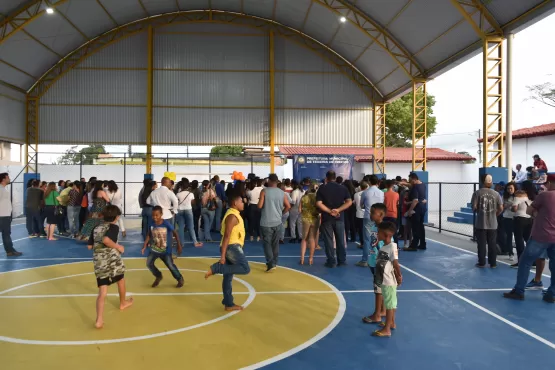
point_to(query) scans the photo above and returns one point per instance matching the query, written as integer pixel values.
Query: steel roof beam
(378, 34)
(22, 17)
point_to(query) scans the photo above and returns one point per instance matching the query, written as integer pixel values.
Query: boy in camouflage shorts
(108, 265)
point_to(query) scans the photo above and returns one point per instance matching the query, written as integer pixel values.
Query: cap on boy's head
(488, 179)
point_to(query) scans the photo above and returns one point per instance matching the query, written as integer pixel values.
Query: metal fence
(449, 207)
(128, 170)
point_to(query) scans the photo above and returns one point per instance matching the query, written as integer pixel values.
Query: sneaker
(493, 266)
(33, 236)
(513, 294)
(180, 282)
(534, 285)
(514, 265)
(341, 264)
(281, 242)
(512, 257)
(361, 264)
(42, 236)
(480, 266)
(270, 268)
(329, 265)
(544, 291)
(549, 298)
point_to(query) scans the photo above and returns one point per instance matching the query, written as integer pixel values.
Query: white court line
(483, 309)
(250, 299)
(474, 253)
(17, 240)
(131, 294)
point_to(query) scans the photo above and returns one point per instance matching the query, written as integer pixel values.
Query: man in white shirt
(360, 213)
(521, 176)
(165, 198)
(6, 216)
(369, 197)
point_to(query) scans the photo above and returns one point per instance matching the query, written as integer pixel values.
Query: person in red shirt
(391, 201)
(539, 164)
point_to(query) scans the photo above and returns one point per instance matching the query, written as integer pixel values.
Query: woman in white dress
(116, 199)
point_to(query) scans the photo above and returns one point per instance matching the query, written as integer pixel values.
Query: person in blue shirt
(159, 240)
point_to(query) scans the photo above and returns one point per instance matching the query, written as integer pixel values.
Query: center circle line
(250, 299)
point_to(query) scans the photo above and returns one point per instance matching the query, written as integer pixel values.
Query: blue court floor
(450, 315)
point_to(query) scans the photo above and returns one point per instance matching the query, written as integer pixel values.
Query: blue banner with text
(316, 166)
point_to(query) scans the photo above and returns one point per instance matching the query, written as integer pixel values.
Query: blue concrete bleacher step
(464, 215)
(458, 220)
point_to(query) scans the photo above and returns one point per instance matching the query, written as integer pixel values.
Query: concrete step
(469, 205)
(466, 216)
(466, 210)
(458, 220)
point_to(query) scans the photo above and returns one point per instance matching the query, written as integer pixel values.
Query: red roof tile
(536, 131)
(399, 155)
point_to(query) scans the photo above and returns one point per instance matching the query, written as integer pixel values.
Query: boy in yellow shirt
(232, 261)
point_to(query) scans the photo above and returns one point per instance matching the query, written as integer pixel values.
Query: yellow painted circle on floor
(50, 314)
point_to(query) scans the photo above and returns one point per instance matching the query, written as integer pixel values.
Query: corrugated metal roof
(432, 30)
(365, 154)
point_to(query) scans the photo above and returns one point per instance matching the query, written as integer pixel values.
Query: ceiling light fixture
(343, 19)
(49, 10)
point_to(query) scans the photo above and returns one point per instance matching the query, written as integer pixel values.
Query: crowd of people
(375, 213)
(524, 213)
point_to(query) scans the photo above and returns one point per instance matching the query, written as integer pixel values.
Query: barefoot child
(388, 276)
(377, 213)
(232, 261)
(108, 265)
(159, 239)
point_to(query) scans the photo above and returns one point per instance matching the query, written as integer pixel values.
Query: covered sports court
(311, 73)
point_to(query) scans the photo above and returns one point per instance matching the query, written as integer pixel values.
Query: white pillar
(509, 108)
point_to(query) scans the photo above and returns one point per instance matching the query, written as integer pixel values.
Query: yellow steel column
(31, 134)
(272, 105)
(419, 118)
(379, 137)
(493, 148)
(149, 99)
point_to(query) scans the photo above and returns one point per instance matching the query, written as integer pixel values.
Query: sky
(458, 95)
(459, 91)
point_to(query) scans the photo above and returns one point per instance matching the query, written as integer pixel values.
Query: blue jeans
(336, 228)
(218, 215)
(270, 240)
(282, 227)
(33, 221)
(168, 261)
(185, 217)
(532, 252)
(366, 227)
(147, 219)
(235, 264)
(73, 218)
(207, 219)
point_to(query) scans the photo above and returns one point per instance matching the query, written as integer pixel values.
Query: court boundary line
(483, 309)
(473, 253)
(168, 294)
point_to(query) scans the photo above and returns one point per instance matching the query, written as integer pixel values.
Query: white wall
(525, 149)
(438, 171)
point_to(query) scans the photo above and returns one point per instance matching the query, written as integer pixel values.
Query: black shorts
(108, 280)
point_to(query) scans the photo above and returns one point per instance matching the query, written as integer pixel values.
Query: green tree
(87, 154)
(398, 121)
(226, 151)
(468, 154)
(544, 93)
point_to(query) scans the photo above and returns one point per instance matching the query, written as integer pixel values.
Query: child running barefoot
(159, 239)
(377, 213)
(108, 265)
(388, 276)
(232, 259)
